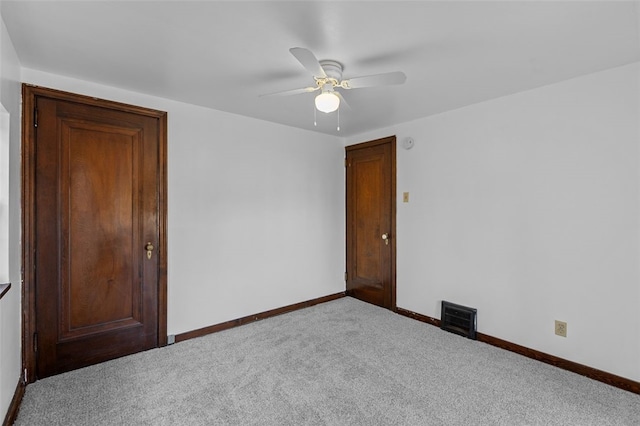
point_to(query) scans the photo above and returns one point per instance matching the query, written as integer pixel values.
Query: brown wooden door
(371, 222)
(98, 196)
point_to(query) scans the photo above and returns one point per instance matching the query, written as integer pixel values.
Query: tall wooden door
(97, 200)
(371, 221)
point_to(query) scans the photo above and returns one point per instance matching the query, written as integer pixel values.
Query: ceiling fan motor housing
(333, 69)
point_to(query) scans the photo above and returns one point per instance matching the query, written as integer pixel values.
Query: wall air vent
(458, 319)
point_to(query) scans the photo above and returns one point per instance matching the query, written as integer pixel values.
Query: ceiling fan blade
(343, 102)
(396, 77)
(292, 92)
(308, 60)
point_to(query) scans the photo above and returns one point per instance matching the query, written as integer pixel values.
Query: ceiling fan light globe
(327, 102)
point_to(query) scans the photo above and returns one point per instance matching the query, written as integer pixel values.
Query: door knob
(149, 248)
(385, 237)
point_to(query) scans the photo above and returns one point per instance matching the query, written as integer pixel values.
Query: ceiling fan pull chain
(338, 119)
(315, 118)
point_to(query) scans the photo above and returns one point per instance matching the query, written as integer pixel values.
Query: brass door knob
(149, 249)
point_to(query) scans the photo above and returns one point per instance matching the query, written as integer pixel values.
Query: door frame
(29, 117)
(391, 140)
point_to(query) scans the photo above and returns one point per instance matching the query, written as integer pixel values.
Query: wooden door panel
(370, 214)
(99, 214)
(368, 191)
(112, 345)
(97, 194)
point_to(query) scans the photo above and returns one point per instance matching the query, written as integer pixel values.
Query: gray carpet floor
(343, 362)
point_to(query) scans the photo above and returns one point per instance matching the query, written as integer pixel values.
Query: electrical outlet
(405, 197)
(561, 328)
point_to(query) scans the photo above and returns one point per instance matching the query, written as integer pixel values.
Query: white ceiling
(223, 55)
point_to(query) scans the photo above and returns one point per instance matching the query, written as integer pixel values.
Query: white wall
(256, 210)
(10, 224)
(5, 128)
(527, 208)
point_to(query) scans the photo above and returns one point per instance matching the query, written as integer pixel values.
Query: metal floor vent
(458, 319)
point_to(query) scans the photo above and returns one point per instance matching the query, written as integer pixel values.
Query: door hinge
(35, 342)
(346, 163)
(346, 276)
(35, 117)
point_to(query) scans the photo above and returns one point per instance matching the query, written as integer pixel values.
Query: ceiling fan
(327, 75)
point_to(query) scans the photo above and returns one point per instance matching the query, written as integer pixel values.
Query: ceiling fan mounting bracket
(333, 69)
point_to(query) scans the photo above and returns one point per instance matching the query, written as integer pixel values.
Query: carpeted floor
(344, 362)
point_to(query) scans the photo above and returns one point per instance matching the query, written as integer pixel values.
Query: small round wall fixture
(408, 143)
